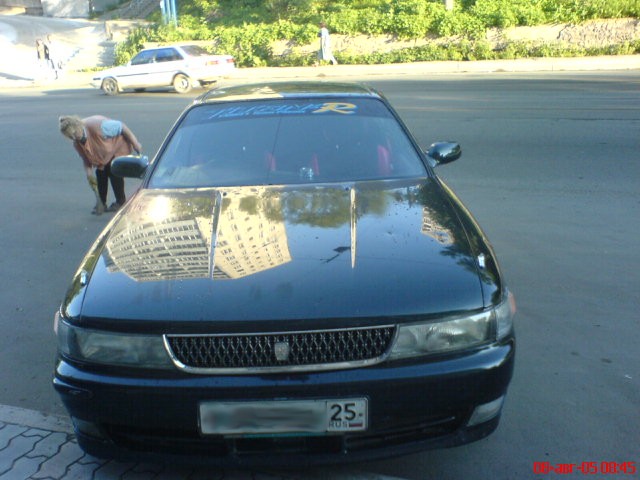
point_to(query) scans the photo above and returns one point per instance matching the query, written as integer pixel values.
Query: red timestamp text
(585, 468)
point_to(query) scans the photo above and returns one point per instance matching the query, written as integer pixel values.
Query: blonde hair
(69, 125)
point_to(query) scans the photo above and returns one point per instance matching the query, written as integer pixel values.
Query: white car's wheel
(181, 83)
(110, 86)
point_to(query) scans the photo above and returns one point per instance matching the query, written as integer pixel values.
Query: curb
(528, 65)
(34, 419)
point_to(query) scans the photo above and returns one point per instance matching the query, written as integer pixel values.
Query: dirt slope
(596, 33)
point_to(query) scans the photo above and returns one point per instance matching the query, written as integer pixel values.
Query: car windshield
(286, 141)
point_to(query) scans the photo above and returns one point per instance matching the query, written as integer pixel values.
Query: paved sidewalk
(37, 446)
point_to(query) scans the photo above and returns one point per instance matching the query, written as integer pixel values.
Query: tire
(181, 83)
(110, 86)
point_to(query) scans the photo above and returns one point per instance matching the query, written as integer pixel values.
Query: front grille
(323, 349)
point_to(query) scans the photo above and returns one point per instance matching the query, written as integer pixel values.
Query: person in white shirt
(325, 53)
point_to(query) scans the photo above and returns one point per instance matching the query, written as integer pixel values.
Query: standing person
(52, 55)
(41, 51)
(98, 140)
(325, 53)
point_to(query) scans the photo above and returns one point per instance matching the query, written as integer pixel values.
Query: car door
(168, 62)
(139, 72)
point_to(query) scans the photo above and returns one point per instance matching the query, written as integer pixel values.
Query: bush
(580, 10)
(450, 23)
(250, 45)
(247, 28)
(134, 43)
(409, 18)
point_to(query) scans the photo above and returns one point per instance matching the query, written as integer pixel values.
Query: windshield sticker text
(290, 109)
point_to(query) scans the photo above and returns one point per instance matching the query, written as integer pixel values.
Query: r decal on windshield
(338, 107)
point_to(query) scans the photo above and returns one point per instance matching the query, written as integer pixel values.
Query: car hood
(371, 249)
(112, 72)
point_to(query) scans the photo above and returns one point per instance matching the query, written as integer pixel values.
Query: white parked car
(179, 66)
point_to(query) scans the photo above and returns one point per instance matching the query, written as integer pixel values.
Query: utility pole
(448, 4)
(169, 12)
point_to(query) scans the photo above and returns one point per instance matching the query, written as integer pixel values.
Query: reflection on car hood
(111, 72)
(311, 251)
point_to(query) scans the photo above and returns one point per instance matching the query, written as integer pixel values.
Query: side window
(167, 55)
(143, 58)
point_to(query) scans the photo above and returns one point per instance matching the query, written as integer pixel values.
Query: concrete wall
(60, 8)
(30, 7)
(66, 8)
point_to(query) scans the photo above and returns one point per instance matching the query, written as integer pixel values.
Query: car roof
(291, 89)
(170, 45)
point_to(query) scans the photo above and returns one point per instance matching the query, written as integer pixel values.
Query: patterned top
(104, 139)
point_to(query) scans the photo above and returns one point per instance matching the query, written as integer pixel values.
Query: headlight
(143, 351)
(454, 334)
(504, 315)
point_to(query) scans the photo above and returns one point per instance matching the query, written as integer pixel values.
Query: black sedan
(291, 284)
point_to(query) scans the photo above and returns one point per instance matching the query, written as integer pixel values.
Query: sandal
(99, 209)
(114, 207)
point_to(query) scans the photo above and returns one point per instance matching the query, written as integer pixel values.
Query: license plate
(282, 417)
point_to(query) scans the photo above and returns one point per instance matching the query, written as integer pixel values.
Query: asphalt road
(550, 169)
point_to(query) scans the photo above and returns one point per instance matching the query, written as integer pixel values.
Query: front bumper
(412, 407)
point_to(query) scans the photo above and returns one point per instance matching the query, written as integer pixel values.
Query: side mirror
(444, 152)
(132, 166)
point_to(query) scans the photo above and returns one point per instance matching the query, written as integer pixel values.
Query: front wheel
(181, 83)
(110, 86)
